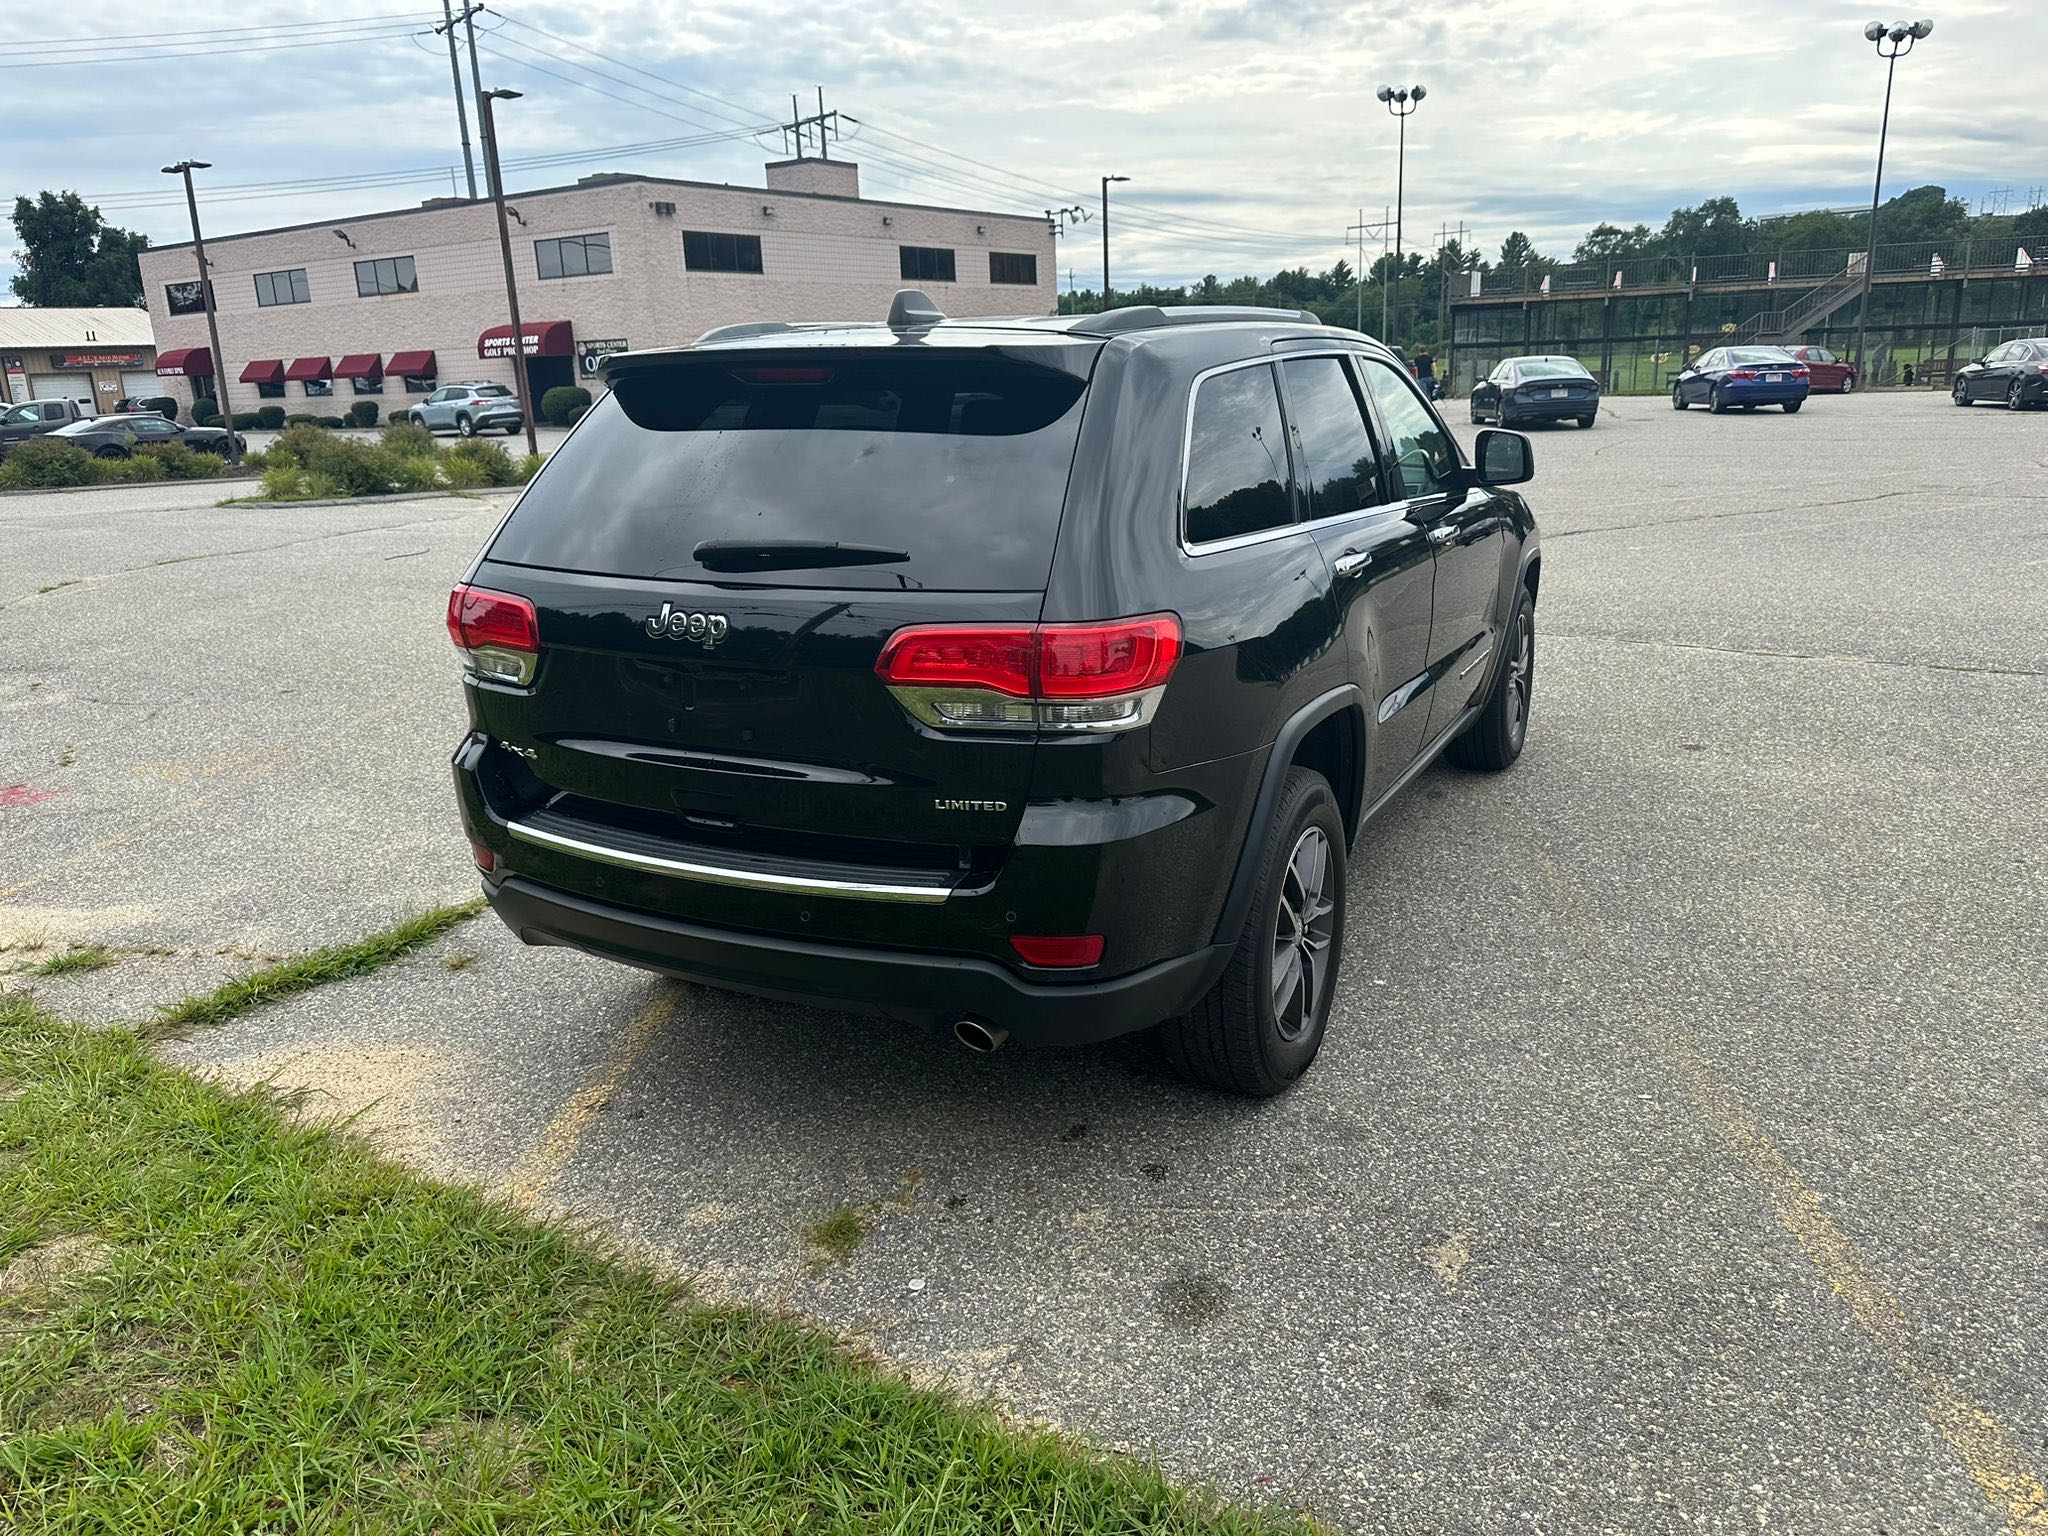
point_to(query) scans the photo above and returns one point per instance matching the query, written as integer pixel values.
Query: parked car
(117, 437)
(1743, 376)
(2015, 372)
(1829, 374)
(1537, 389)
(36, 418)
(1025, 676)
(470, 409)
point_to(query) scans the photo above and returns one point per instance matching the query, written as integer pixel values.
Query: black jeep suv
(1032, 676)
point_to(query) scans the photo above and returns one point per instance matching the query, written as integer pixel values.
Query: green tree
(1610, 243)
(1715, 228)
(1517, 253)
(71, 257)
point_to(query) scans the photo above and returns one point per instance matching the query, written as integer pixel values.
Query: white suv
(469, 409)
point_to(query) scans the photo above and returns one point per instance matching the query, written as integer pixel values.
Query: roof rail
(751, 328)
(1146, 317)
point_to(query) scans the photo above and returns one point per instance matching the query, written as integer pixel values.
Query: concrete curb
(127, 485)
(362, 501)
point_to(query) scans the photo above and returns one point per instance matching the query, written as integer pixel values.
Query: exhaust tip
(979, 1037)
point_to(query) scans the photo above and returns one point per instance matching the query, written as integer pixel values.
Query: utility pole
(1105, 237)
(476, 79)
(488, 124)
(820, 120)
(461, 108)
(185, 168)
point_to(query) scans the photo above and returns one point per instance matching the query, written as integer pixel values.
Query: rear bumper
(922, 988)
(1549, 410)
(1762, 394)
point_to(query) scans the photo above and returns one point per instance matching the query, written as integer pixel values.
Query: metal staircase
(1780, 325)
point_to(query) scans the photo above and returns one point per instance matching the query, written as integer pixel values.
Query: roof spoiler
(1147, 317)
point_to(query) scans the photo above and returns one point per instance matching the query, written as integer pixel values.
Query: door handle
(1442, 533)
(1351, 562)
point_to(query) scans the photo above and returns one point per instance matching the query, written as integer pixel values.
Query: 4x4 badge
(707, 627)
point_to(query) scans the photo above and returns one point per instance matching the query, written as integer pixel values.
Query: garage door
(60, 386)
(141, 386)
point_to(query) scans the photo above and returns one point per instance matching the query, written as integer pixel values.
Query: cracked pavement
(1677, 1160)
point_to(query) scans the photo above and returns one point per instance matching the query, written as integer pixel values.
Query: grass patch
(839, 1234)
(78, 957)
(332, 963)
(235, 1322)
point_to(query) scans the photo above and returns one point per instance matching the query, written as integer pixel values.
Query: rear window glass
(1752, 355)
(492, 392)
(948, 469)
(1553, 368)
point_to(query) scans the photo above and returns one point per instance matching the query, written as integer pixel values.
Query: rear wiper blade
(790, 554)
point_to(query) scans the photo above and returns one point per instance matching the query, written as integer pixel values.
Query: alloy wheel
(2012, 396)
(1521, 666)
(1304, 923)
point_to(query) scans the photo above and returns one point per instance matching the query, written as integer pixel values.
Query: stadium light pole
(1105, 236)
(185, 168)
(1893, 42)
(1402, 104)
(489, 125)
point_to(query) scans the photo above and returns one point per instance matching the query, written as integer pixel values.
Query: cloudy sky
(1249, 129)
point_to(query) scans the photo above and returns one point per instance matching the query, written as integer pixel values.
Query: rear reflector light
(1077, 950)
(497, 633)
(1031, 677)
(486, 860)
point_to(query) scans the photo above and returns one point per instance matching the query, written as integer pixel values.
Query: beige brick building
(315, 316)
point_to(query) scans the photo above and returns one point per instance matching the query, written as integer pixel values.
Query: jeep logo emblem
(710, 628)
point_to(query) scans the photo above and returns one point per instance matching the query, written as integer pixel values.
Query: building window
(926, 263)
(369, 386)
(387, 274)
(721, 253)
(282, 288)
(184, 298)
(1013, 267)
(270, 391)
(316, 388)
(573, 255)
(419, 384)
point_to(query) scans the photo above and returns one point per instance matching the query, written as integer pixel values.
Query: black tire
(1476, 417)
(1238, 1038)
(465, 426)
(514, 429)
(1848, 383)
(1960, 392)
(1792, 407)
(1715, 403)
(1678, 401)
(1585, 422)
(2015, 396)
(110, 452)
(1494, 740)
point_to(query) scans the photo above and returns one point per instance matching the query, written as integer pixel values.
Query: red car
(1831, 376)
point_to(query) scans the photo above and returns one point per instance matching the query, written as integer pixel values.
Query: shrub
(281, 481)
(563, 404)
(528, 466)
(297, 420)
(205, 413)
(417, 473)
(493, 465)
(162, 404)
(43, 462)
(270, 417)
(332, 421)
(177, 461)
(363, 414)
(248, 421)
(409, 441)
(462, 474)
(144, 466)
(298, 443)
(578, 414)
(353, 468)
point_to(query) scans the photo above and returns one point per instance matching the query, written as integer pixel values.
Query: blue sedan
(1744, 376)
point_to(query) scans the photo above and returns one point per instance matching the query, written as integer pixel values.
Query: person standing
(1425, 371)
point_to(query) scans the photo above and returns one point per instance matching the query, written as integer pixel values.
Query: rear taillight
(497, 633)
(1032, 677)
(1742, 373)
(1802, 373)
(1066, 951)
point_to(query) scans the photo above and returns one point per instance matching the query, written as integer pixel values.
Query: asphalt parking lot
(1677, 1160)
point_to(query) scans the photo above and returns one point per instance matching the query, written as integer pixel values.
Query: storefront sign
(62, 360)
(593, 353)
(17, 381)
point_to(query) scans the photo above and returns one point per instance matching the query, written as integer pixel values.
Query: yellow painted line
(1999, 1467)
(539, 1169)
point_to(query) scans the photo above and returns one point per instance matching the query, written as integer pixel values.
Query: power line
(122, 39)
(697, 119)
(525, 26)
(159, 55)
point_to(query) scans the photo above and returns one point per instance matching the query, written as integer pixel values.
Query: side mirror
(1503, 458)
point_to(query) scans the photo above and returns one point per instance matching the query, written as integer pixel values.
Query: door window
(1424, 457)
(1237, 474)
(156, 428)
(1336, 464)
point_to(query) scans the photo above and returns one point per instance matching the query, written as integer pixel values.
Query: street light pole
(1402, 104)
(1105, 235)
(1892, 42)
(185, 168)
(489, 124)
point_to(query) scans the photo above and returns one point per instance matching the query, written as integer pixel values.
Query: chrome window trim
(719, 874)
(1187, 448)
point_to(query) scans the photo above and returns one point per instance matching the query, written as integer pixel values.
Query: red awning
(310, 368)
(543, 338)
(360, 365)
(269, 370)
(415, 365)
(185, 363)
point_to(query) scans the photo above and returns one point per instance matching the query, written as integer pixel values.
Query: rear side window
(948, 467)
(1335, 461)
(1237, 473)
